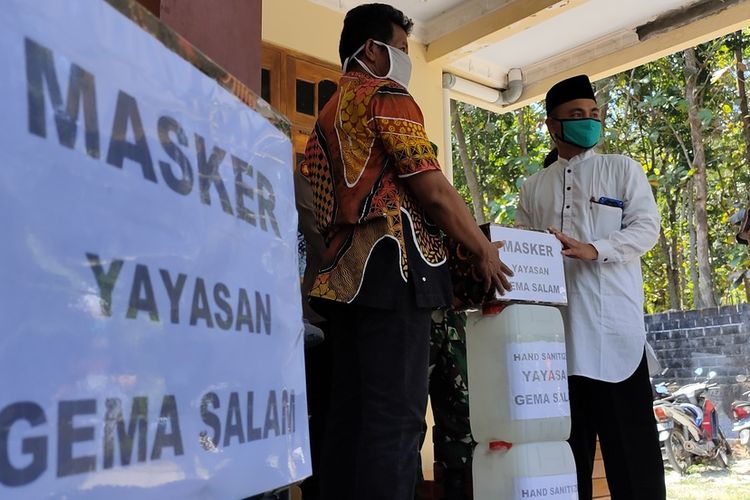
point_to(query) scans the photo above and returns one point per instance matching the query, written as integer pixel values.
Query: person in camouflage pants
(449, 395)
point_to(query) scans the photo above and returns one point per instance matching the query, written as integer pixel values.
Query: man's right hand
(491, 270)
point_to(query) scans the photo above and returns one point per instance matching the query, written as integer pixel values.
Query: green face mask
(581, 132)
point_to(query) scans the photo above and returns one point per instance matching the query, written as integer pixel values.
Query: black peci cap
(577, 87)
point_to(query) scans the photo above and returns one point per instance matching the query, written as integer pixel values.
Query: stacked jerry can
(517, 368)
(518, 404)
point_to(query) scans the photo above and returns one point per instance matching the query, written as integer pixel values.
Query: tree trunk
(705, 277)
(674, 255)
(477, 200)
(674, 297)
(697, 299)
(673, 275)
(679, 258)
(678, 248)
(602, 98)
(742, 91)
(522, 142)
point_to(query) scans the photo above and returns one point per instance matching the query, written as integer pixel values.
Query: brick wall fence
(715, 339)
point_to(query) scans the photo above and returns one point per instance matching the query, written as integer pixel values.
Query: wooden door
(298, 87)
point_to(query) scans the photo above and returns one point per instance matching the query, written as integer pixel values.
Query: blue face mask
(581, 132)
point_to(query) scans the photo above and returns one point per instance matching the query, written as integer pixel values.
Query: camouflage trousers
(449, 393)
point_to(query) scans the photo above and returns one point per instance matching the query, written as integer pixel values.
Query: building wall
(313, 30)
(715, 339)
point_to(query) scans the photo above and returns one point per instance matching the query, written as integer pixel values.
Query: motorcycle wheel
(722, 456)
(722, 460)
(679, 458)
(724, 440)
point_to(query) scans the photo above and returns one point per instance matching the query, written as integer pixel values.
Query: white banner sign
(151, 335)
(538, 376)
(558, 487)
(536, 262)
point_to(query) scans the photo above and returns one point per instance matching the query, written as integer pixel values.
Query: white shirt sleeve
(640, 220)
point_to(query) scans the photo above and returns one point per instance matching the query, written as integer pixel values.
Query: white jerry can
(517, 369)
(544, 471)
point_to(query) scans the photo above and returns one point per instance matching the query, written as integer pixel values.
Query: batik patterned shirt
(380, 245)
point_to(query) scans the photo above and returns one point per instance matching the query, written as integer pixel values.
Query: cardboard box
(534, 256)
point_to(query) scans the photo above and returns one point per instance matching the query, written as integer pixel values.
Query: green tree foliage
(492, 143)
(646, 119)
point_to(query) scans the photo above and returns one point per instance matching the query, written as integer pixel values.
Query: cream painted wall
(303, 26)
(427, 88)
(311, 29)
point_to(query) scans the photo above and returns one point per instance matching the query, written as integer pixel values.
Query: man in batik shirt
(381, 202)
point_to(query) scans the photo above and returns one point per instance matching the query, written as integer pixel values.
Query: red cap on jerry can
(500, 446)
(492, 309)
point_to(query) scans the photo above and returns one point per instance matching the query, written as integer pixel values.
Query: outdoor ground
(712, 483)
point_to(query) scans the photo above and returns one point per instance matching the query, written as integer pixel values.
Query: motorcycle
(741, 416)
(664, 422)
(695, 433)
(672, 448)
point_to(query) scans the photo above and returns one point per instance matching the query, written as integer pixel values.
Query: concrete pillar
(228, 32)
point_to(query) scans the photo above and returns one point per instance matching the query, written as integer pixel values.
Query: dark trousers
(378, 403)
(318, 363)
(621, 415)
